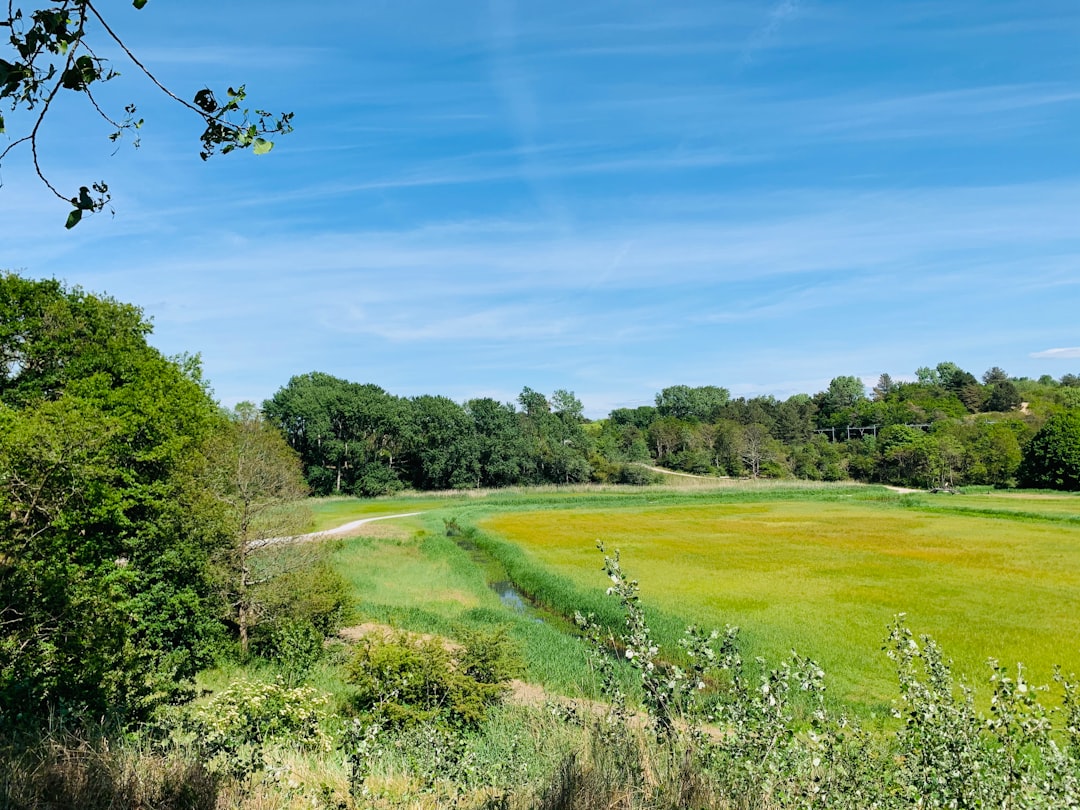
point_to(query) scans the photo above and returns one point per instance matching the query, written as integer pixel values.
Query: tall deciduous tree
(445, 450)
(501, 449)
(255, 478)
(313, 411)
(698, 404)
(105, 602)
(843, 392)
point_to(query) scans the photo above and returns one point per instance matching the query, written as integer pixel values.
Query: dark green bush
(636, 475)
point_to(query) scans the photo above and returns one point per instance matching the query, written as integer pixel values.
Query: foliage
(701, 404)
(53, 51)
(662, 686)
(402, 682)
(359, 439)
(106, 600)
(251, 479)
(234, 727)
(300, 603)
(932, 432)
(1052, 458)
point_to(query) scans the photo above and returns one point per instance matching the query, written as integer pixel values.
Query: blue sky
(607, 197)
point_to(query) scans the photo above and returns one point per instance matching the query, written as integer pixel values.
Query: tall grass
(64, 769)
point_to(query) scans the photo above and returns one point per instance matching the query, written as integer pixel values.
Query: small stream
(509, 596)
(499, 581)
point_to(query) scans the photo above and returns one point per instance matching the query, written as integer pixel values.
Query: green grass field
(822, 570)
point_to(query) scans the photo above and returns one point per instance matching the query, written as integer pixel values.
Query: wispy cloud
(976, 112)
(1070, 353)
(779, 14)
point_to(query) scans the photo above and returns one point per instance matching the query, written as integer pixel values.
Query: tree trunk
(242, 622)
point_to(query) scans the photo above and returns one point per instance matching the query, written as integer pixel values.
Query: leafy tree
(927, 376)
(445, 453)
(756, 410)
(621, 441)
(53, 51)
(994, 453)
(666, 436)
(727, 444)
(1052, 457)
(557, 445)
(252, 474)
(700, 404)
(898, 448)
(106, 601)
(953, 378)
(795, 419)
(819, 460)
(994, 375)
(501, 450)
(565, 404)
(939, 457)
(1003, 396)
(640, 417)
(843, 392)
(317, 413)
(533, 402)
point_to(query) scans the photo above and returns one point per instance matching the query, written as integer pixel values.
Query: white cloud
(1069, 353)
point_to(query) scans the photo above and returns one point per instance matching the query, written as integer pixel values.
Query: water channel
(499, 581)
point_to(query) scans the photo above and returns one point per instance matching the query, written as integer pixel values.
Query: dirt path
(340, 531)
(666, 471)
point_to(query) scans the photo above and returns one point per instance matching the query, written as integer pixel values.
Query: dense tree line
(358, 439)
(944, 428)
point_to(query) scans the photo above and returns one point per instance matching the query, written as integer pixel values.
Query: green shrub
(294, 645)
(309, 591)
(403, 682)
(636, 475)
(234, 726)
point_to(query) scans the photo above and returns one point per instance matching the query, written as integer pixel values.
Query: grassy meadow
(821, 569)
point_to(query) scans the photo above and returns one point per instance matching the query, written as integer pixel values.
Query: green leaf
(138, 3)
(73, 219)
(262, 146)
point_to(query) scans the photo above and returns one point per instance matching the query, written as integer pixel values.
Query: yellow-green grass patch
(1039, 505)
(826, 577)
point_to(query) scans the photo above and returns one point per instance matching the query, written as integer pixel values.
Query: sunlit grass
(825, 575)
(427, 584)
